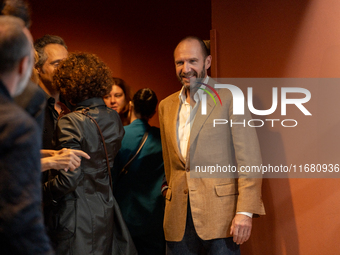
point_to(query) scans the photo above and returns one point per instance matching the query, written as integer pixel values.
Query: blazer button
(187, 169)
(185, 191)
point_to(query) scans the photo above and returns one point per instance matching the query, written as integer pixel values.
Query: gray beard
(199, 78)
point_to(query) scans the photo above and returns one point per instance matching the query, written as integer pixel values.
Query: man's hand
(241, 228)
(67, 159)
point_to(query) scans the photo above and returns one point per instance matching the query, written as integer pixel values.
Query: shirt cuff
(246, 213)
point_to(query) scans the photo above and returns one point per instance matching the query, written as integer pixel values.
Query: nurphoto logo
(239, 104)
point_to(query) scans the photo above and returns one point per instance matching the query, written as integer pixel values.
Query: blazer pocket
(168, 194)
(225, 189)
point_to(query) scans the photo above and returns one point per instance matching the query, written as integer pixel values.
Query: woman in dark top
(81, 202)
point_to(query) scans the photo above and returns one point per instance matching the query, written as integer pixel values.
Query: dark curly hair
(82, 76)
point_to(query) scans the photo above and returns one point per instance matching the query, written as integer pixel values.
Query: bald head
(204, 50)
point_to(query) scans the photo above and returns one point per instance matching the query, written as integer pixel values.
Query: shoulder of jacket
(170, 98)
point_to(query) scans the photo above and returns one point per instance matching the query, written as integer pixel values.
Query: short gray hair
(40, 45)
(14, 44)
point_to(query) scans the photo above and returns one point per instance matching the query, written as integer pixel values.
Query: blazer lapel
(200, 119)
(173, 115)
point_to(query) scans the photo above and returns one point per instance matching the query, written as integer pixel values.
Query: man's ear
(207, 62)
(24, 65)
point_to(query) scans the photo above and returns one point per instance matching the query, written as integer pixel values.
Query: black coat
(33, 100)
(81, 204)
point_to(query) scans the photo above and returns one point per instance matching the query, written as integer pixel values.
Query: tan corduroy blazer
(214, 199)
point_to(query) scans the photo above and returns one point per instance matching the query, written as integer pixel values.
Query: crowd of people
(83, 172)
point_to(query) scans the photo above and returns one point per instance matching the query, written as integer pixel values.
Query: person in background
(21, 222)
(80, 204)
(51, 50)
(32, 99)
(118, 99)
(18, 8)
(137, 190)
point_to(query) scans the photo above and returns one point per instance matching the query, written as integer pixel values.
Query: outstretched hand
(67, 159)
(241, 228)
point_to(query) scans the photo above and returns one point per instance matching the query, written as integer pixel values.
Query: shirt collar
(91, 102)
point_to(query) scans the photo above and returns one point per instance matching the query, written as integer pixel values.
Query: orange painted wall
(289, 38)
(135, 38)
(283, 38)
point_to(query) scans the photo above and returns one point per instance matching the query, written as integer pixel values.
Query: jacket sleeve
(68, 135)
(247, 153)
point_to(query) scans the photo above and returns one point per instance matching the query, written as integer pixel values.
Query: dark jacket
(50, 121)
(81, 203)
(32, 99)
(21, 225)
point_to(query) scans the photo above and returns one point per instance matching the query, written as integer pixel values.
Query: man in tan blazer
(205, 212)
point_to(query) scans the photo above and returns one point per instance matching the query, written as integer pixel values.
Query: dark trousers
(192, 244)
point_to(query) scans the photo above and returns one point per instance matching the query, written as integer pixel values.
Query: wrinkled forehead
(55, 52)
(188, 48)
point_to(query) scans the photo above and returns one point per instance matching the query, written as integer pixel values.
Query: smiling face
(190, 63)
(116, 99)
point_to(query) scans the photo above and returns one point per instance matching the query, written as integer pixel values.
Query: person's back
(138, 191)
(20, 190)
(85, 192)
(82, 217)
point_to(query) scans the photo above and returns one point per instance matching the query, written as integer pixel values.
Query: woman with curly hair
(81, 205)
(118, 99)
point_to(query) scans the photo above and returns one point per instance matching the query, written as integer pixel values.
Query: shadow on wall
(257, 39)
(276, 231)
